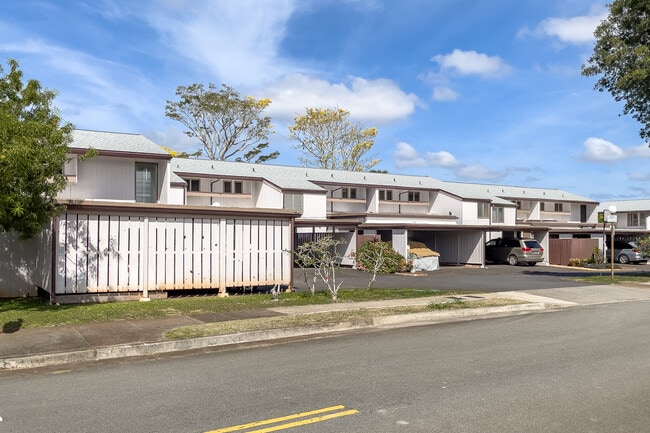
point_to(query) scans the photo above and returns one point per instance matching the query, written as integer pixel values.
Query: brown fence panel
(561, 251)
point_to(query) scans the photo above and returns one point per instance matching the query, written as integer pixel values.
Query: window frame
(153, 183)
(498, 215)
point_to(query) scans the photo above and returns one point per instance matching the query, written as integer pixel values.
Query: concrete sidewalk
(39, 347)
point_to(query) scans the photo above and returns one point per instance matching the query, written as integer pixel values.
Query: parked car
(626, 252)
(514, 251)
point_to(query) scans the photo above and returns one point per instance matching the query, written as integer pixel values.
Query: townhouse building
(140, 223)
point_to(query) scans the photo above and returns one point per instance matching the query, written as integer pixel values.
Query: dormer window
(232, 187)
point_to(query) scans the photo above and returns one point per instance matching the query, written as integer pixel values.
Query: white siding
(112, 178)
(314, 206)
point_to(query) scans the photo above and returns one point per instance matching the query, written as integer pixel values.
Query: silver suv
(514, 251)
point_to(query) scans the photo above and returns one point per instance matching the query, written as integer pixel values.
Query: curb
(161, 347)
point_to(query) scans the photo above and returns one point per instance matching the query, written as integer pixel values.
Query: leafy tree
(329, 140)
(622, 56)
(33, 146)
(225, 123)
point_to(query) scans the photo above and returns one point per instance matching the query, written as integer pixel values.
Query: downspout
(399, 206)
(332, 196)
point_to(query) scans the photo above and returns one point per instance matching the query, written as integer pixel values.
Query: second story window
(558, 207)
(385, 195)
(484, 210)
(193, 184)
(414, 196)
(232, 187)
(146, 182)
(498, 215)
(349, 193)
(636, 219)
(293, 201)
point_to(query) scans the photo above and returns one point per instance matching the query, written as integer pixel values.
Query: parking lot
(492, 278)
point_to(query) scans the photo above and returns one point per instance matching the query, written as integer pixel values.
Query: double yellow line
(287, 425)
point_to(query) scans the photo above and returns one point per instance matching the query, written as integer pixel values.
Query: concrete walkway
(39, 347)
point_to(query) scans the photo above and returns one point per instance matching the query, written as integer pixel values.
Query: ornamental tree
(226, 124)
(621, 58)
(327, 139)
(33, 146)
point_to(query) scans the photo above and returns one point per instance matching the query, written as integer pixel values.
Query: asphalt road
(492, 278)
(574, 370)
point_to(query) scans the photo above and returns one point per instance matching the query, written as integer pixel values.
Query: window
(541, 206)
(386, 194)
(484, 210)
(146, 182)
(414, 196)
(193, 184)
(636, 219)
(230, 187)
(498, 215)
(558, 207)
(349, 192)
(293, 201)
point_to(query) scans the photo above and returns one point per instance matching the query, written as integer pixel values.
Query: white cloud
(444, 94)
(480, 172)
(379, 100)
(407, 156)
(472, 63)
(576, 30)
(601, 150)
(237, 40)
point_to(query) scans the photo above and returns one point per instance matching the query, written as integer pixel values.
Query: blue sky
(485, 91)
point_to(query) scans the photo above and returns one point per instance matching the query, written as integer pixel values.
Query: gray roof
(478, 191)
(301, 178)
(286, 178)
(641, 205)
(115, 142)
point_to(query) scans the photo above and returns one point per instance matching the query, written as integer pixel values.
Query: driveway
(492, 278)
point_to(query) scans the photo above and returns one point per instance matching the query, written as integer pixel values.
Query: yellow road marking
(305, 421)
(287, 418)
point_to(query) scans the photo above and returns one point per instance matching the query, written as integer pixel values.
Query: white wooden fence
(100, 252)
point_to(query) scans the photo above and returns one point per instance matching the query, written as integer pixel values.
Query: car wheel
(623, 259)
(532, 263)
(513, 260)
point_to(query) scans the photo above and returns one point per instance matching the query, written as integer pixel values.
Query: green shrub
(380, 257)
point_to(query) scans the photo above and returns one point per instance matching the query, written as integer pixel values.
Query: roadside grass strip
(337, 412)
(357, 316)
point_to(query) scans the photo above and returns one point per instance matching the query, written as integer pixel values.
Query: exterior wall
(111, 178)
(443, 204)
(265, 196)
(25, 265)
(314, 206)
(176, 195)
(470, 214)
(112, 253)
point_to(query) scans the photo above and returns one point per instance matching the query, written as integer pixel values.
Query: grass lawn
(636, 278)
(33, 312)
